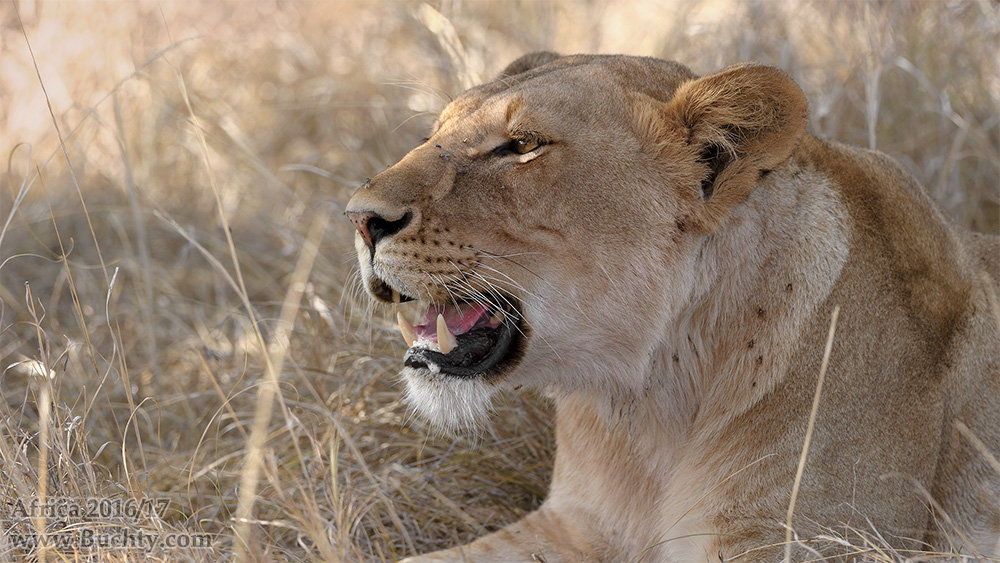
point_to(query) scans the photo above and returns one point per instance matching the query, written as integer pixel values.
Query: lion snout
(374, 226)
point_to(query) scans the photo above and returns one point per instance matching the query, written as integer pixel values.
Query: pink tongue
(459, 319)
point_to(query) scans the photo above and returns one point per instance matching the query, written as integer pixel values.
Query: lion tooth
(446, 340)
(396, 298)
(497, 318)
(406, 329)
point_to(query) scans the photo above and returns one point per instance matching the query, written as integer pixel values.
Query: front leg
(546, 536)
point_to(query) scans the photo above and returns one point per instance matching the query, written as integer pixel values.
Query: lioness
(662, 254)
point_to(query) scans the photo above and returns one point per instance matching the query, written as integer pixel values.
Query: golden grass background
(177, 246)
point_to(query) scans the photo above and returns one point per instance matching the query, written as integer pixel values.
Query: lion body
(677, 246)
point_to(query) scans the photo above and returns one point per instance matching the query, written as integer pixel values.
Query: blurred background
(172, 242)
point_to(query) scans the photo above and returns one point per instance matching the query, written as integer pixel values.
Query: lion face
(547, 226)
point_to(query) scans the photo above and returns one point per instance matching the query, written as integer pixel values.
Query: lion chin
(448, 402)
(662, 254)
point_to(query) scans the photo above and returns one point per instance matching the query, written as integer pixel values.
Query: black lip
(503, 345)
(382, 292)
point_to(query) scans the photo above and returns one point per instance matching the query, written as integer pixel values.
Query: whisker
(493, 290)
(427, 289)
(505, 258)
(464, 288)
(513, 283)
(440, 282)
(467, 288)
(354, 295)
(499, 284)
(493, 287)
(517, 285)
(478, 296)
(513, 312)
(501, 256)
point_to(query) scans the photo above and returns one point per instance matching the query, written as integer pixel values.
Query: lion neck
(757, 281)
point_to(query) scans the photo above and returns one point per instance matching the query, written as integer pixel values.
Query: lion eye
(521, 146)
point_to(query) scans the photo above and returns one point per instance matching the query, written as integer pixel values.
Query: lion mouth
(465, 340)
(476, 338)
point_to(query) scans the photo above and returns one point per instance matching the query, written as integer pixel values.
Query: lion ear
(740, 123)
(524, 63)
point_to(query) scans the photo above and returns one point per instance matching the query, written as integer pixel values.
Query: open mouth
(472, 339)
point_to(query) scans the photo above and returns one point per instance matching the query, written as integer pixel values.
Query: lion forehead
(576, 89)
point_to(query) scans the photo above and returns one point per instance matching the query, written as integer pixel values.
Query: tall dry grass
(178, 320)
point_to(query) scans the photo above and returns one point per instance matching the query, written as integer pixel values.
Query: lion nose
(373, 227)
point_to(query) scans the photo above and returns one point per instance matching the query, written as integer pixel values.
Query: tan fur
(677, 248)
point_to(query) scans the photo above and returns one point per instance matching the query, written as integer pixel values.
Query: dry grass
(156, 253)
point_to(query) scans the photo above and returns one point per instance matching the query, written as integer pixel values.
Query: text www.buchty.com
(87, 539)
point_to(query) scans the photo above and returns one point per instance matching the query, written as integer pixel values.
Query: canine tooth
(497, 318)
(446, 340)
(396, 298)
(406, 329)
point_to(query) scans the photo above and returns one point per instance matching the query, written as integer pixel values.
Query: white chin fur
(449, 403)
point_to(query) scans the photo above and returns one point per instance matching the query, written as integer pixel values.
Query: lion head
(549, 223)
